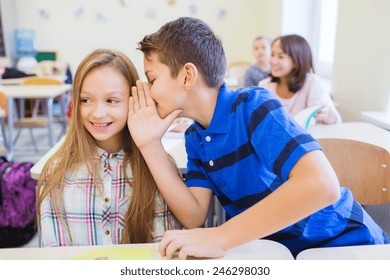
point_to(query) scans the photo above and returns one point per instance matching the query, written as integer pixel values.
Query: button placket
(207, 138)
(106, 207)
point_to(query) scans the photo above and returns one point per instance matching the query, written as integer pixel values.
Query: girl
(293, 79)
(85, 188)
(259, 70)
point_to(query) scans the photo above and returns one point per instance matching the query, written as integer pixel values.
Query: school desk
(48, 92)
(381, 119)
(258, 249)
(358, 131)
(20, 81)
(172, 142)
(362, 252)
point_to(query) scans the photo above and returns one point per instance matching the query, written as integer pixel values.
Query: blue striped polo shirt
(248, 151)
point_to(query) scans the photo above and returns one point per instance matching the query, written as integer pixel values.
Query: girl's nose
(99, 110)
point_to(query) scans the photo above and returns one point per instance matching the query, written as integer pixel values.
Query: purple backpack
(17, 203)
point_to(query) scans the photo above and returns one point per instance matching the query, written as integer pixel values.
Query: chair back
(3, 105)
(41, 81)
(362, 167)
(237, 70)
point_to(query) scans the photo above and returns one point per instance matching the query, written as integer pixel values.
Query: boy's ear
(190, 75)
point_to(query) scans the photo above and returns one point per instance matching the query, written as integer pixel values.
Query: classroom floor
(24, 149)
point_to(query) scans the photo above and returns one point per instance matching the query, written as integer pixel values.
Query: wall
(360, 78)
(361, 70)
(9, 22)
(74, 28)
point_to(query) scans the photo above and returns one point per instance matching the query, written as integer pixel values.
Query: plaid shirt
(93, 217)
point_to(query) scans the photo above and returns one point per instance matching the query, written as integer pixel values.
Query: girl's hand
(326, 116)
(144, 122)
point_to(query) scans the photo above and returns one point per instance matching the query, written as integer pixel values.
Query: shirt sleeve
(248, 78)
(278, 140)
(318, 96)
(53, 232)
(163, 220)
(195, 176)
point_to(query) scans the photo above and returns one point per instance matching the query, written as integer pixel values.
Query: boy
(270, 176)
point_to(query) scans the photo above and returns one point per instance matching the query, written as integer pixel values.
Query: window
(316, 21)
(327, 36)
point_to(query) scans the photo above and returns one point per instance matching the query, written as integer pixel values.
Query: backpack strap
(4, 170)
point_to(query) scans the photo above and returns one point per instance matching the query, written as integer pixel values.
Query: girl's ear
(190, 75)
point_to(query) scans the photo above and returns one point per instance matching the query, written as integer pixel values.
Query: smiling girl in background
(293, 80)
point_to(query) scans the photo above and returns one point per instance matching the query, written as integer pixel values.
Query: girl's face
(281, 63)
(261, 50)
(104, 106)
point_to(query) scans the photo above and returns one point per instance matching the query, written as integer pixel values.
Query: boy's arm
(312, 185)
(189, 205)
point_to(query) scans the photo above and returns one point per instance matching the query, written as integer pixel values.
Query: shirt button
(107, 199)
(208, 138)
(107, 232)
(211, 163)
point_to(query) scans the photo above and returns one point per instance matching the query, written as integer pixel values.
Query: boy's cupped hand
(144, 122)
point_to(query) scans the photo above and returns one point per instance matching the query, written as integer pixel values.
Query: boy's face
(261, 50)
(167, 92)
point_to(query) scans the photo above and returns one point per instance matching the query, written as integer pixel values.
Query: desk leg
(63, 99)
(51, 120)
(10, 120)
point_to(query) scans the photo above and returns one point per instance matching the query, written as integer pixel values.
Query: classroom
(349, 43)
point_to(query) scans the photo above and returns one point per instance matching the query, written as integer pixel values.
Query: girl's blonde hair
(79, 147)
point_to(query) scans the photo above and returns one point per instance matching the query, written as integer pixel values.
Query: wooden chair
(20, 123)
(3, 120)
(237, 70)
(36, 103)
(362, 167)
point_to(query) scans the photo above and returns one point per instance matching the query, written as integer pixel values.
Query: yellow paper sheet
(116, 254)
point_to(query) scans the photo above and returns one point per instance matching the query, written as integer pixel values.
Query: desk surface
(359, 131)
(381, 119)
(364, 252)
(258, 249)
(20, 81)
(33, 91)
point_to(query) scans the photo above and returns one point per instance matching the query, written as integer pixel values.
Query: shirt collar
(104, 154)
(219, 123)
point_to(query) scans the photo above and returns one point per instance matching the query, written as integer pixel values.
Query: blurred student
(260, 69)
(97, 189)
(293, 80)
(271, 177)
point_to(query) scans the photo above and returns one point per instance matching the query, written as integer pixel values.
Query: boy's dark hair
(186, 40)
(298, 49)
